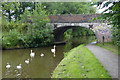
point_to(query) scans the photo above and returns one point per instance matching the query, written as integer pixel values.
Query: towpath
(108, 59)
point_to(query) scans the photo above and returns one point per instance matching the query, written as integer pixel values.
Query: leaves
(30, 31)
(112, 16)
(69, 8)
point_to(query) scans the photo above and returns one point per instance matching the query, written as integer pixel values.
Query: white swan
(8, 66)
(54, 55)
(32, 54)
(42, 55)
(18, 74)
(53, 50)
(19, 66)
(27, 61)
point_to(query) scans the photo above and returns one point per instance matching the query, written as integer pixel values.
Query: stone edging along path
(108, 59)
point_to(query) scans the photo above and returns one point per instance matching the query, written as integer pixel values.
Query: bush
(30, 31)
(116, 36)
(10, 39)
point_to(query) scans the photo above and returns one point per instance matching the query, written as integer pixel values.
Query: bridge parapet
(77, 18)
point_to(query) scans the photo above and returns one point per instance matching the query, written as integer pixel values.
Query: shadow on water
(76, 41)
(38, 67)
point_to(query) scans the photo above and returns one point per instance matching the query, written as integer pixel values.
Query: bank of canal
(80, 63)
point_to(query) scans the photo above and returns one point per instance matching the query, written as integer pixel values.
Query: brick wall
(73, 18)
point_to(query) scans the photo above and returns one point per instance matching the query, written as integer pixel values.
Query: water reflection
(76, 41)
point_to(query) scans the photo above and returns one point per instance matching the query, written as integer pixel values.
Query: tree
(29, 31)
(13, 10)
(9, 8)
(112, 14)
(68, 8)
(38, 33)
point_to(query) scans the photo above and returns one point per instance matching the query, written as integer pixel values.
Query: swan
(53, 50)
(32, 54)
(54, 55)
(42, 55)
(8, 66)
(19, 66)
(18, 74)
(27, 61)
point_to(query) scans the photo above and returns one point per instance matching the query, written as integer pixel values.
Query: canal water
(39, 66)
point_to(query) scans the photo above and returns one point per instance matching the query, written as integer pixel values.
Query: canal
(39, 66)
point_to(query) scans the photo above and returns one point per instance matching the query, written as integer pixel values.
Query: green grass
(80, 63)
(109, 46)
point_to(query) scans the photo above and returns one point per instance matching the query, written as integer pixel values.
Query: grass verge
(109, 46)
(80, 63)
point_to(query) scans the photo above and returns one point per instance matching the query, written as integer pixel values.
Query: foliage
(15, 9)
(116, 36)
(78, 63)
(30, 31)
(10, 39)
(77, 32)
(9, 9)
(39, 34)
(112, 14)
(68, 8)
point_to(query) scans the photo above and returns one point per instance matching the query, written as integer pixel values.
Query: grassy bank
(80, 63)
(109, 46)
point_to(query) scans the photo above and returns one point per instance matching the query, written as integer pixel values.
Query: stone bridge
(61, 23)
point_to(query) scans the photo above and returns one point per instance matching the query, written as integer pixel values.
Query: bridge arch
(59, 32)
(100, 30)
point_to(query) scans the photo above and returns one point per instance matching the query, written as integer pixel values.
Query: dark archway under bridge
(59, 32)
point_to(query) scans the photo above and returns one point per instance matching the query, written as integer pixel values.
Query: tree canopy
(13, 10)
(69, 8)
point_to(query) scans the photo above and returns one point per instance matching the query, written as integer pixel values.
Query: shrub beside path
(108, 59)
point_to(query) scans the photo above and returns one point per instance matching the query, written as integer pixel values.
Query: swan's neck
(54, 47)
(31, 51)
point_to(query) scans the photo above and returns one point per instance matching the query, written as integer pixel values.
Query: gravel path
(108, 59)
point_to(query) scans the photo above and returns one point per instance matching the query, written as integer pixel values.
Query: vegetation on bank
(80, 63)
(30, 31)
(109, 46)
